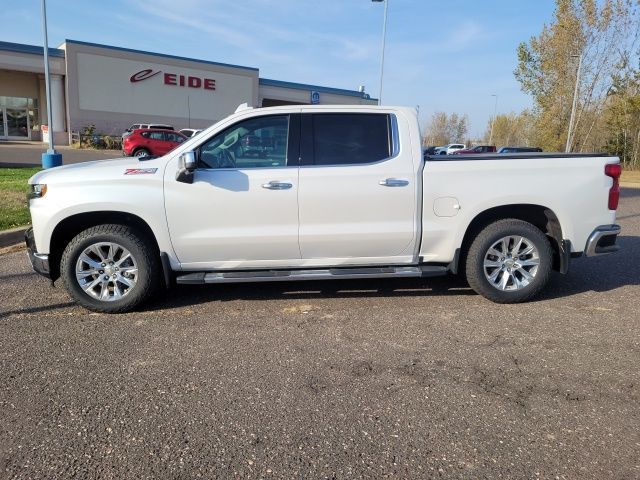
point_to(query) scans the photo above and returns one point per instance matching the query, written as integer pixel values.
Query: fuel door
(446, 206)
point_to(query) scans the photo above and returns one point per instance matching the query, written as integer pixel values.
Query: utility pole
(51, 158)
(567, 148)
(384, 36)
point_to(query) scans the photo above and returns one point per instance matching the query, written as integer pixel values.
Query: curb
(19, 165)
(629, 185)
(12, 237)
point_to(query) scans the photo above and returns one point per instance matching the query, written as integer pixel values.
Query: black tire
(483, 242)
(142, 152)
(147, 261)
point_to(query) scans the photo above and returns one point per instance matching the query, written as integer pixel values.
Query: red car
(147, 142)
(478, 149)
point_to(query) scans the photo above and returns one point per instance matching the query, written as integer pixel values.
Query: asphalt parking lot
(414, 379)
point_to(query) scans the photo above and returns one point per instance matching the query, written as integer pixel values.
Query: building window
(34, 118)
(17, 110)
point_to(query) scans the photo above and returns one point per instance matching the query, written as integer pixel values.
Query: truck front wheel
(110, 268)
(509, 261)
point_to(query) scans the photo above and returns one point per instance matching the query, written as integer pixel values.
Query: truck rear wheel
(509, 261)
(110, 268)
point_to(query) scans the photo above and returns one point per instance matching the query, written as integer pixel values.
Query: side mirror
(187, 164)
(188, 160)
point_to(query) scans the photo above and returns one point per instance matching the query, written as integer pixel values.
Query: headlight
(37, 191)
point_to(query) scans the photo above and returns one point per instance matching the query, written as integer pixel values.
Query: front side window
(255, 143)
(350, 138)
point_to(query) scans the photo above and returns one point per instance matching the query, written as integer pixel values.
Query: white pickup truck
(317, 192)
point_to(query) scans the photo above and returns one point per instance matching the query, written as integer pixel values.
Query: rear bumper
(602, 241)
(39, 261)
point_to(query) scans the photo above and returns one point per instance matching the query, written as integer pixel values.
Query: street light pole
(384, 36)
(493, 121)
(51, 158)
(567, 148)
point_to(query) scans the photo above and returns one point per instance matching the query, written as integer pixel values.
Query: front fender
(60, 203)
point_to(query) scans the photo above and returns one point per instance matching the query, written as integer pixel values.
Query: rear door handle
(394, 182)
(275, 185)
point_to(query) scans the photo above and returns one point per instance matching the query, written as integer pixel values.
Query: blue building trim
(303, 86)
(162, 55)
(31, 49)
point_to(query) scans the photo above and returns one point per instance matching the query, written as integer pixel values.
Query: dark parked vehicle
(519, 149)
(477, 149)
(430, 151)
(146, 142)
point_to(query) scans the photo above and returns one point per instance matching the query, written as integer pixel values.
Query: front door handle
(394, 182)
(275, 185)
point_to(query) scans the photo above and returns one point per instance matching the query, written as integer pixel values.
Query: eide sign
(175, 79)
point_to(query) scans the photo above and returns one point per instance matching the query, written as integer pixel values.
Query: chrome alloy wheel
(511, 263)
(106, 271)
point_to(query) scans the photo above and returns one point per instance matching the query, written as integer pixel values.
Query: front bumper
(602, 241)
(39, 261)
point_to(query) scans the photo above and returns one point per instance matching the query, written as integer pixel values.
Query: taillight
(613, 170)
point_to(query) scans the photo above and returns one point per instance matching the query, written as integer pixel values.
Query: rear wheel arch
(540, 216)
(68, 228)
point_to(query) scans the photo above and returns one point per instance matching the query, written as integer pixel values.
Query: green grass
(14, 211)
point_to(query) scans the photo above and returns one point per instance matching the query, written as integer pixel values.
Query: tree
(605, 34)
(622, 118)
(513, 129)
(444, 129)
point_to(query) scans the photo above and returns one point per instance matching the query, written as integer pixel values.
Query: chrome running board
(309, 274)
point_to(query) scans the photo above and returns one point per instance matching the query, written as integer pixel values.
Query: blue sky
(441, 55)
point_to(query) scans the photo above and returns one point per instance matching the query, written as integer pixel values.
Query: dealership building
(112, 88)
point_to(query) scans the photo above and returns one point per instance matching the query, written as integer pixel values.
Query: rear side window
(174, 137)
(156, 136)
(350, 138)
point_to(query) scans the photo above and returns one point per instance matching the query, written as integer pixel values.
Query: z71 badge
(140, 171)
